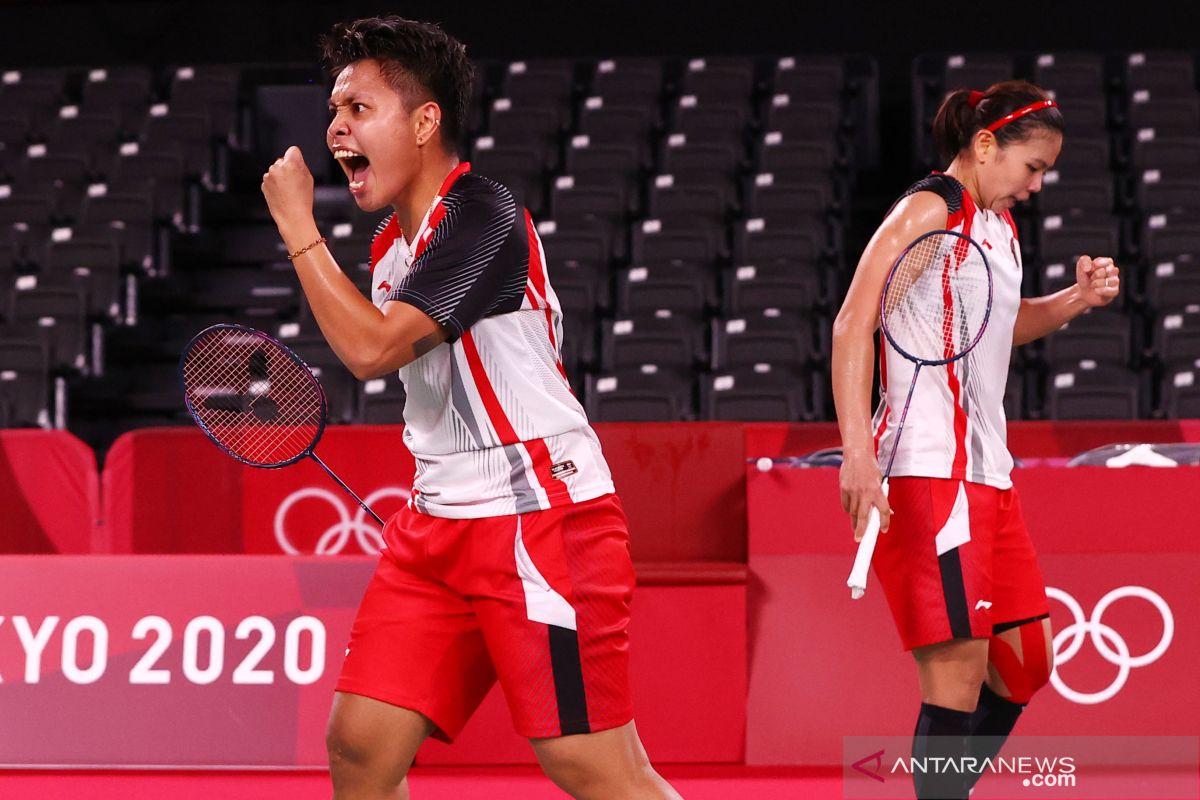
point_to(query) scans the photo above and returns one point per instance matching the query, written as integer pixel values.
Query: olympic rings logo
(335, 538)
(1110, 644)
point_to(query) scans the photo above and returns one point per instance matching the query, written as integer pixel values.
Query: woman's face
(1009, 174)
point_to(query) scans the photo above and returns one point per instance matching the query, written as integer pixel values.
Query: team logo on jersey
(987, 244)
(564, 470)
(387, 287)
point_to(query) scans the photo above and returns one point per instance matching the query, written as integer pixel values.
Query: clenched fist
(288, 188)
(1098, 279)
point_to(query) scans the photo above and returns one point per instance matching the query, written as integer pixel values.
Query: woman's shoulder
(941, 185)
(927, 205)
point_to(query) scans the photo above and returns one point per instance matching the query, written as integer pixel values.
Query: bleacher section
(696, 215)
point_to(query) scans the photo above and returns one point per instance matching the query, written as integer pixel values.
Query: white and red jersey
(490, 418)
(956, 427)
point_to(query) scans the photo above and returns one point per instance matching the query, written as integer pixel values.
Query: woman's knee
(1020, 661)
(367, 740)
(346, 746)
(952, 672)
(586, 779)
(604, 765)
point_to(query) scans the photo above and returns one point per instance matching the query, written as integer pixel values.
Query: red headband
(1020, 112)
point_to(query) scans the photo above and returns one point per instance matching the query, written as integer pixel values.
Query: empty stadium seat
(1092, 391)
(761, 393)
(667, 342)
(787, 340)
(381, 401)
(645, 394)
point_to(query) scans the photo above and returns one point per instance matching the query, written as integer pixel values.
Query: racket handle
(866, 549)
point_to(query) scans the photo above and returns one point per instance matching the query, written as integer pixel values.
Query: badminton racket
(934, 310)
(255, 399)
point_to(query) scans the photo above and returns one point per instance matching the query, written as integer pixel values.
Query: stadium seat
(644, 394)
(513, 123)
(677, 290)
(595, 163)
(817, 79)
(1101, 335)
(381, 402)
(628, 81)
(728, 79)
(211, 89)
(1092, 391)
(293, 115)
(669, 343)
(783, 287)
(583, 247)
(1177, 338)
(1070, 75)
(125, 91)
(786, 340)
(1181, 393)
(24, 387)
(798, 119)
(698, 122)
(654, 243)
(56, 316)
(688, 206)
(93, 266)
(544, 83)
(603, 120)
(1162, 73)
(761, 393)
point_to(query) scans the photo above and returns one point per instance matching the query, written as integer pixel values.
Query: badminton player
(512, 559)
(956, 562)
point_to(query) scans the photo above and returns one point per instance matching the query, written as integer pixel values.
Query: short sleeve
(476, 262)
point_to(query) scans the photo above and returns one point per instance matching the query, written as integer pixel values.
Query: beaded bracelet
(304, 250)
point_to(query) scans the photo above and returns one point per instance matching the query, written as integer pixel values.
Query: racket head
(252, 396)
(913, 308)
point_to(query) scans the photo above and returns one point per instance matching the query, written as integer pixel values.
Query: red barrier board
(49, 491)
(172, 491)
(1119, 553)
(231, 661)
(1031, 440)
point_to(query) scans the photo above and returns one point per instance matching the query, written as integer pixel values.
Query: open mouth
(355, 165)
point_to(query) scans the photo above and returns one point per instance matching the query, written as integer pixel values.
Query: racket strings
(253, 399)
(226, 374)
(937, 299)
(276, 421)
(262, 428)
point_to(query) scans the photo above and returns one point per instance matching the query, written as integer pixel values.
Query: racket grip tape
(866, 549)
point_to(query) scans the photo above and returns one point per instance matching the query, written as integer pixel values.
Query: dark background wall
(44, 32)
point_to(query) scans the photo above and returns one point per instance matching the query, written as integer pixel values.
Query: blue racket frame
(888, 285)
(922, 362)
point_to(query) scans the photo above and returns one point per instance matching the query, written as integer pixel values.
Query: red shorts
(957, 561)
(540, 600)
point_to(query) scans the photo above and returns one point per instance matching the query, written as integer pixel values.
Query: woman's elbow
(363, 372)
(849, 327)
(365, 366)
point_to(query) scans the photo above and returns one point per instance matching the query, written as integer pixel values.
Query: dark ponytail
(957, 121)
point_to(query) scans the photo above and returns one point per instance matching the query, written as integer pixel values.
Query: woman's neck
(965, 174)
